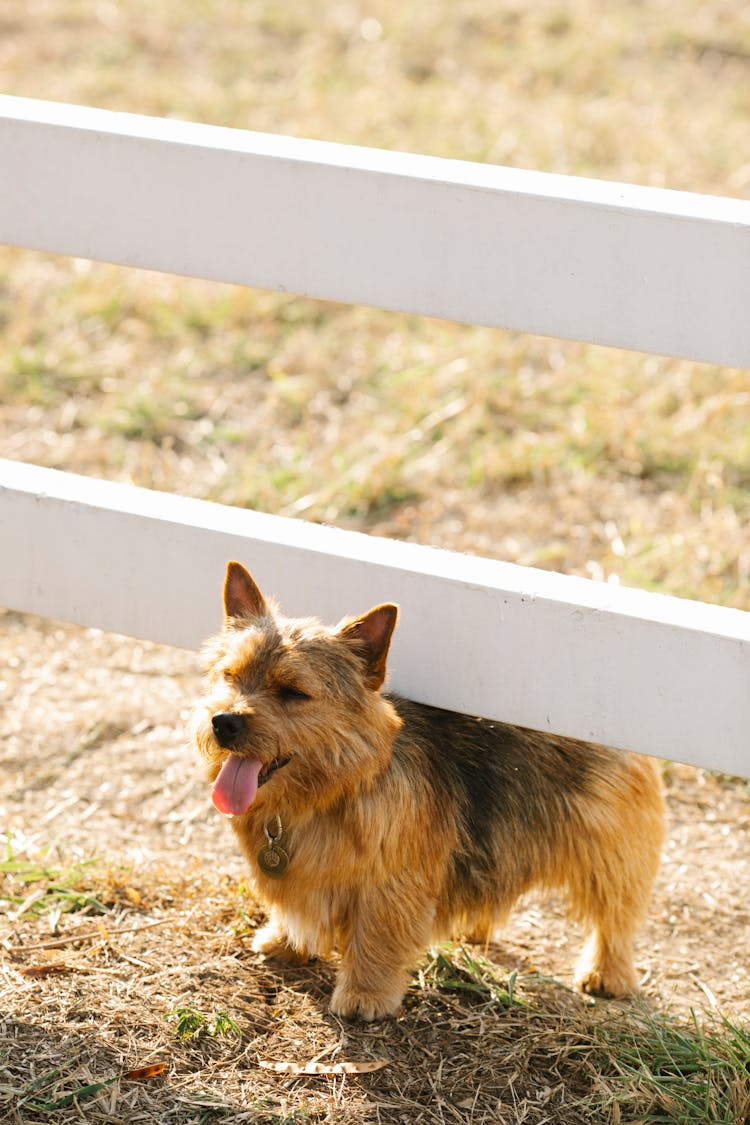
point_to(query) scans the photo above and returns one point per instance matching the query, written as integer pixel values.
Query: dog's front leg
(275, 940)
(388, 930)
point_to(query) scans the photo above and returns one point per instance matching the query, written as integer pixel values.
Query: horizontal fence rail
(635, 267)
(641, 671)
(642, 268)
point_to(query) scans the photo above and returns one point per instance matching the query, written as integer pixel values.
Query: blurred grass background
(588, 460)
(592, 461)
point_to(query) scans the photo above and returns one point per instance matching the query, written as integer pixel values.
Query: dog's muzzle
(227, 726)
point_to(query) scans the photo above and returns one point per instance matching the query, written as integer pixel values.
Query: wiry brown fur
(405, 823)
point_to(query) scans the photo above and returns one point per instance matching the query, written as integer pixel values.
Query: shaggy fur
(403, 823)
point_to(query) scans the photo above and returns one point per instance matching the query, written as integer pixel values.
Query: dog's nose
(227, 727)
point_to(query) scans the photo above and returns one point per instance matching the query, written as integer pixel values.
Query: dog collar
(272, 859)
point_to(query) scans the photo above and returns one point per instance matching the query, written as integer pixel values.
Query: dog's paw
(605, 968)
(354, 1003)
(608, 981)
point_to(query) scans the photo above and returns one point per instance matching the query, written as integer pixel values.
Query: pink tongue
(235, 788)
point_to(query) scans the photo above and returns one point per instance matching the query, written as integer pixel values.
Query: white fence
(634, 267)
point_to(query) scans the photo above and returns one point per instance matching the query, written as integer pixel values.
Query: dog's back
(533, 810)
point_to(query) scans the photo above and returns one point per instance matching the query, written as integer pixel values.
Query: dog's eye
(290, 694)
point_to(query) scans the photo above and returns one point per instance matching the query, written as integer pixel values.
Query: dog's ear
(371, 634)
(242, 598)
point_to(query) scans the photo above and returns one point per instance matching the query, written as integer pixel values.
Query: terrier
(375, 826)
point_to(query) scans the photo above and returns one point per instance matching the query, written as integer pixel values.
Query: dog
(375, 826)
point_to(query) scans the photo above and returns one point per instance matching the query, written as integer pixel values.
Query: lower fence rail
(641, 671)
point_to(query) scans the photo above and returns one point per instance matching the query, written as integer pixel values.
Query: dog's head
(293, 717)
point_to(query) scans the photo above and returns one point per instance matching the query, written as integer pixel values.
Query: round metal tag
(273, 861)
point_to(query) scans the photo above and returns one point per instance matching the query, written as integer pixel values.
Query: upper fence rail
(634, 267)
(641, 268)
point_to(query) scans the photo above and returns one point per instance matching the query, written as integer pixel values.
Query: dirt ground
(97, 764)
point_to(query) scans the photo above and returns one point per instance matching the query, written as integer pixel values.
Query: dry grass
(166, 981)
(126, 929)
(585, 459)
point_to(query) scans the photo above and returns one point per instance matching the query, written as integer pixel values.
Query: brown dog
(373, 825)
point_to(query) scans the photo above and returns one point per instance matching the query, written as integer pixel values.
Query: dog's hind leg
(612, 869)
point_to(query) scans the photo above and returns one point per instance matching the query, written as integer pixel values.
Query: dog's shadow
(475, 1029)
(490, 979)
